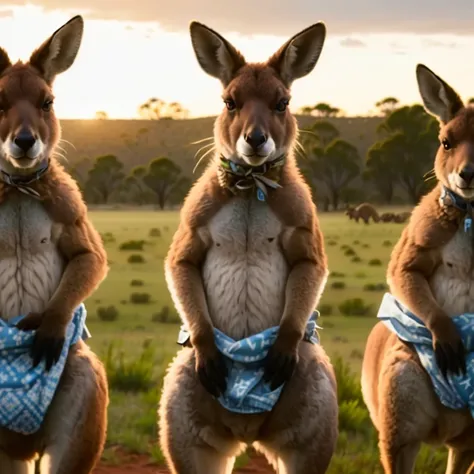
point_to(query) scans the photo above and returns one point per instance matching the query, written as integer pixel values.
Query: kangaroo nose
(24, 140)
(256, 138)
(467, 174)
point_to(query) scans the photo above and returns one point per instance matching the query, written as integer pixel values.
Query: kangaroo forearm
(187, 291)
(81, 277)
(412, 290)
(304, 286)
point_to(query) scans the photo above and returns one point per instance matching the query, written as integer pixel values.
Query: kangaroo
(387, 217)
(247, 257)
(51, 259)
(402, 217)
(364, 211)
(431, 274)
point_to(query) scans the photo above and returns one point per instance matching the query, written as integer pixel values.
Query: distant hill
(136, 142)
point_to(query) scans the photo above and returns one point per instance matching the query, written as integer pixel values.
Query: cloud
(432, 43)
(342, 17)
(352, 43)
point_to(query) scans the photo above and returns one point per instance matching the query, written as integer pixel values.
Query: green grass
(132, 415)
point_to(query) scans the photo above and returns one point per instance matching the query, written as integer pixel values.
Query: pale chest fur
(30, 263)
(245, 272)
(453, 281)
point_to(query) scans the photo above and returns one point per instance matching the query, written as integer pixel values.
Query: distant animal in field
(364, 211)
(387, 217)
(402, 217)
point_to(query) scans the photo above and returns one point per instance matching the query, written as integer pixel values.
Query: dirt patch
(140, 464)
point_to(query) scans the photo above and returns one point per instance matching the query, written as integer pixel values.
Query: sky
(136, 49)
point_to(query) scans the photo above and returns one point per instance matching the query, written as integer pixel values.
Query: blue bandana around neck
(26, 392)
(246, 391)
(454, 391)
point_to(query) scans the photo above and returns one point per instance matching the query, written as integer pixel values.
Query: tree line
(160, 182)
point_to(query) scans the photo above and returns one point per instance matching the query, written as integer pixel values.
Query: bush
(366, 246)
(140, 298)
(338, 285)
(375, 262)
(332, 243)
(132, 375)
(132, 245)
(356, 242)
(109, 313)
(375, 287)
(155, 232)
(349, 252)
(166, 316)
(137, 283)
(107, 237)
(361, 275)
(135, 258)
(387, 243)
(337, 275)
(348, 384)
(325, 309)
(354, 307)
(356, 259)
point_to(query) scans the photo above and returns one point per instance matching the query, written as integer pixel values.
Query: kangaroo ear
(4, 61)
(439, 98)
(58, 52)
(299, 55)
(216, 56)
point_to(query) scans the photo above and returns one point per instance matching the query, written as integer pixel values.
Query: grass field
(358, 256)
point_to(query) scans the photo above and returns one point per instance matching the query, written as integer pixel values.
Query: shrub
(356, 354)
(360, 275)
(349, 252)
(166, 316)
(354, 307)
(366, 246)
(107, 237)
(375, 287)
(137, 283)
(338, 285)
(140, 298)
(340, 339)
(109, 313)
(155, 232)
(332, 243)
(132, 375)
(132, 245)
(356, 259)
(135, 258)
(345, 247)
(375, 262)
(337, 275)
(387, 243)
(325, 309)
(348, 384)
(356, 242)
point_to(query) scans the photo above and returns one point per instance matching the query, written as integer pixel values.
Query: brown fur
(214, 434)
(397, 390)
(364, 211)
(387, 217)
(24, 88)
(402, 217)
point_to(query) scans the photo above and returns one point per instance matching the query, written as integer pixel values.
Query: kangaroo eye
(282, 105)
(446, 144)
(230, 104)
(47, 105)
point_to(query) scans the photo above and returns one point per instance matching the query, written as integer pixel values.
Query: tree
(152, 109)
(470, 101)
(80, 171)
(406, 150)
(325, 110)
(101, 115)
(175, 110)
(381, 170)
(332, 162)
(387, 105)
(163, 177)
(105, 177)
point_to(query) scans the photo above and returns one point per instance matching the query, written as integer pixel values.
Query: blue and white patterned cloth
(246, 391)
(26, 391)
(455, 391)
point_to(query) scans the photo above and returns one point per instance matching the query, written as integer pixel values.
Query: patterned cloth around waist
(455, 391)
(26, 391)
(246, 390)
